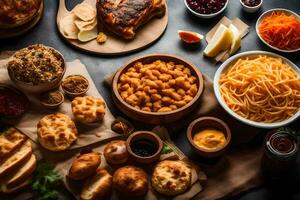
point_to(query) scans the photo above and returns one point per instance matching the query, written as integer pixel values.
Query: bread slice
(16, 159)
(10, 140)
(22, 173)
(8, 190)
(98, 186)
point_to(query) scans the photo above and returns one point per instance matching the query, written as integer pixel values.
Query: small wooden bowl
(54, 106)
(157, 117)
(211, 123)
(42, 87)
(78, 94)
(148, 136)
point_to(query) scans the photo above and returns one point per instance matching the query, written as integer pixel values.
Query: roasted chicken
(124, 17)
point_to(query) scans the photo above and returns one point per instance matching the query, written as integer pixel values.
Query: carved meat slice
(123, 17)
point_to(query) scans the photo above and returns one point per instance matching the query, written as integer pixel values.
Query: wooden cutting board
(8, 33)
(115, 45)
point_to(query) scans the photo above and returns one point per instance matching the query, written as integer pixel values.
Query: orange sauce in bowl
(210, 139)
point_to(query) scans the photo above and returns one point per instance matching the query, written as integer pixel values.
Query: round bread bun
(171, 178)
(56, 132)
(116, 152)
(88, 109)
(131, 181)
(84, 165)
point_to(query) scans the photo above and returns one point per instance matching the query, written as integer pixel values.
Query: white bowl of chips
(249, 86)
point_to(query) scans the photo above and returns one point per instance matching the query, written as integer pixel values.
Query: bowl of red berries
(206, 8)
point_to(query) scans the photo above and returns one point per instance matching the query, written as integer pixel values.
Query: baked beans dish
(157, 87)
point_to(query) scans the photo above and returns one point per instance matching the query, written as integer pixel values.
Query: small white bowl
(205, 16)
(267, 13)
(250, 9)
(219, 97)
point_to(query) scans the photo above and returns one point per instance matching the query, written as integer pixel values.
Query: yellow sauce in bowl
(210, 139)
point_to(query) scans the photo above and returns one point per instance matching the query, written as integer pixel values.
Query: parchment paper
(75, 186)
(87, 134)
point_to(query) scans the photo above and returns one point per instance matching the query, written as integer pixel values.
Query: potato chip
(85, 26)
(68, 27)
(85, 36)
(84, 12)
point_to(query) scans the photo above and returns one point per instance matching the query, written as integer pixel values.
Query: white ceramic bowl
(227, 64)
(267, 13)
(250, 9)
(205, 16)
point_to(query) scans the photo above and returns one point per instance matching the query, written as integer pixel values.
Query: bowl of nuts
(157, 88)
(36, 68)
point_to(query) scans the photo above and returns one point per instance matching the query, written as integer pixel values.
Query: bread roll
(171, 177)
(131, 181)
(97, 187)
(116, 152)
(84, 165)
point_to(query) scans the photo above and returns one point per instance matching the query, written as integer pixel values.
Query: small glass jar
(280, 152)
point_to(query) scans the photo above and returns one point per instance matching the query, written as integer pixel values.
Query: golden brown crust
(88, 109)
(131, 181)
(124, 17)
(171, 177)
(21, 186)
(84, 165)
(116, 152)
(98, 186)
(9, 141)
(56, 132)
(18, 157)
(19, 175)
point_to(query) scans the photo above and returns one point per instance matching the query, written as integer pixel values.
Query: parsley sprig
(45, 181)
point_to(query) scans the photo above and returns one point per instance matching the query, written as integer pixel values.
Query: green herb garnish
(290, 132)
(166, 149)
(45, 181)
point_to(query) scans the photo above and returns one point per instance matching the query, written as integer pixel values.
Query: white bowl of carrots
(280, 30)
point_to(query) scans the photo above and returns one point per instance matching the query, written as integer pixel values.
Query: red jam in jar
(280, 151)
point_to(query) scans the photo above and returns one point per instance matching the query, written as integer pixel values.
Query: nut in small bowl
(209, 136)
(52, 99)
(75, 85)
(144, 146)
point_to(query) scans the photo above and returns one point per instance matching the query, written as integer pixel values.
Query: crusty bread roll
(18, 157)
(20, 174)
(7, 190)
(131, 181)
(9, 141)
(98, 186)
(88, 109)
(115, 152)
(56, 132)
(171, 177)
(84, 165)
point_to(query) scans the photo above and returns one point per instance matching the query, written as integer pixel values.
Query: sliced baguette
(16, 159)
(10, 140)
(97, 187)
(8, 190)
(22, 173)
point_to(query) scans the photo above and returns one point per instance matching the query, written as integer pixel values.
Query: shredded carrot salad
(281, 31)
